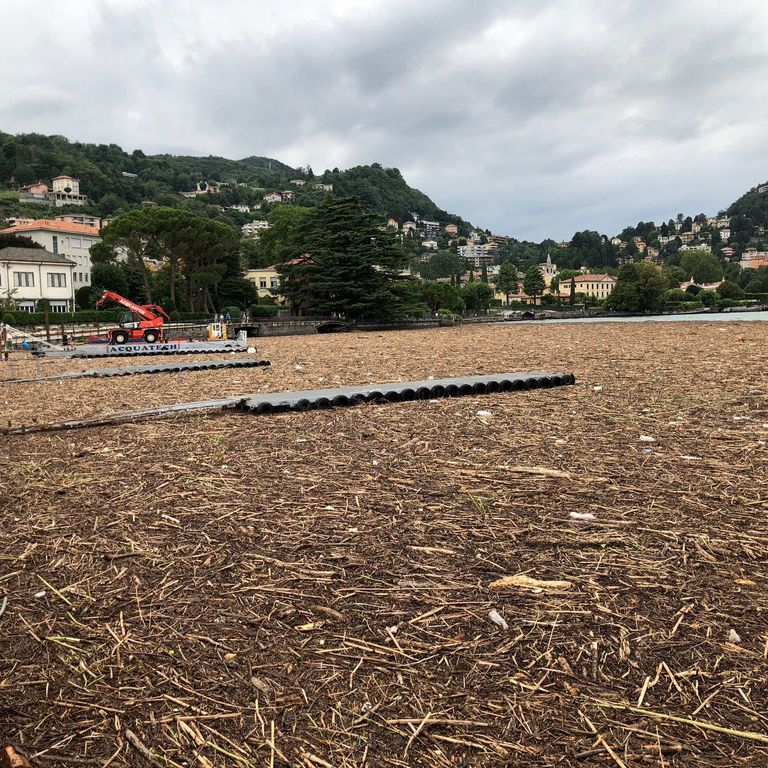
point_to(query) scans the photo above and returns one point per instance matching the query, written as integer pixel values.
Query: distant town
(695, 254)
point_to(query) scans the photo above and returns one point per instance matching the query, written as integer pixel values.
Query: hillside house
(254, 228)
(754, 259)
(451, 230)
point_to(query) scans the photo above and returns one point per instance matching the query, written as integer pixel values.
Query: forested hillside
(116, 181)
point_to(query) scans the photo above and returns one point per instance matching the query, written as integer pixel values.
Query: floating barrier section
(240, 344)
(397, 392)
(278, 402)
(133, 370)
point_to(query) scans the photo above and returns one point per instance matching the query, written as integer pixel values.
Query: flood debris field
(545, 578)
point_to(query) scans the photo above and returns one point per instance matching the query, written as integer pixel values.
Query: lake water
(717, 317)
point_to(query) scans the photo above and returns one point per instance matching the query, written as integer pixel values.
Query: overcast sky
(528, 117)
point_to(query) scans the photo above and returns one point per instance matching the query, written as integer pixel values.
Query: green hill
(116, 181)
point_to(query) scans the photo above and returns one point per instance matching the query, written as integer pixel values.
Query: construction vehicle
(142, 322)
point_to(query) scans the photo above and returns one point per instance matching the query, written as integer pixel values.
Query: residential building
(266, 280)
(727, 252)
(725, 234)
(409, 226)
(430, 229)
(392, 223)
(696, 247)
(273, 197)
(518, 295)
(723, 221)
(325, 187)
(40, 188)
(298, 182)
(598, 285)
(80, 218)
(477, 254)
(15, 221)
(652, 253)
(240, 208)
(687, 237)
(287, 194)
(451, 230)
(204, 188)
(28, 275)
(762, 188)
(695, 227)
(754, 259)
(63, 238)
(254, 228)
(66, 191)
(616, 241)
(431, 244)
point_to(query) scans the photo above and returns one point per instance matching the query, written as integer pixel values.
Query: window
(57, 280)
(75, 242)
(273, 282)
(24, 279)
(86, 278)
(55, 244)
(262, 282)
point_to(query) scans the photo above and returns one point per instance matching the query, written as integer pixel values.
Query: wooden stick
(761, 737)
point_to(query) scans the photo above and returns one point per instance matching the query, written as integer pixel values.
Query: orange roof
(52, 226)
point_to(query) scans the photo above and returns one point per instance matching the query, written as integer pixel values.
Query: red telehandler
(143, 322)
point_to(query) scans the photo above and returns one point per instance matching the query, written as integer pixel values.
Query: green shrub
(264, 310)
(677, 295)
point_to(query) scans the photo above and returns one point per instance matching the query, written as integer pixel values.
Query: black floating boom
(134, 370)
(398, 392)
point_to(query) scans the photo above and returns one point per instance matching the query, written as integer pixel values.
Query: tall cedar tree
(533, 282)
(350, 267)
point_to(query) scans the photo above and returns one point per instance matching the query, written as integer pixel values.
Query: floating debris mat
(133, 370)
(278, 402)
(397, 392)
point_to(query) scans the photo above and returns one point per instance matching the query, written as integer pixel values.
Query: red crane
(143, 322)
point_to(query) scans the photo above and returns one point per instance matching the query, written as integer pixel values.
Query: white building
(273, 197)
(253, 228)
(63, 238)
(477, 254)
(431, 244)
(28, 275)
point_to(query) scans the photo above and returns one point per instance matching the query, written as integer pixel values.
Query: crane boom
(140, 323)
(148, 312)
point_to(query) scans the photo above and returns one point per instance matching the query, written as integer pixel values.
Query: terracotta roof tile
(52, 226)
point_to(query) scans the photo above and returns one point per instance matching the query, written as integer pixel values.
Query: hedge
(263, 310)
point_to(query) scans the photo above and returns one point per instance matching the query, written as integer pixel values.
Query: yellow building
(267, 282)
(599, 286)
